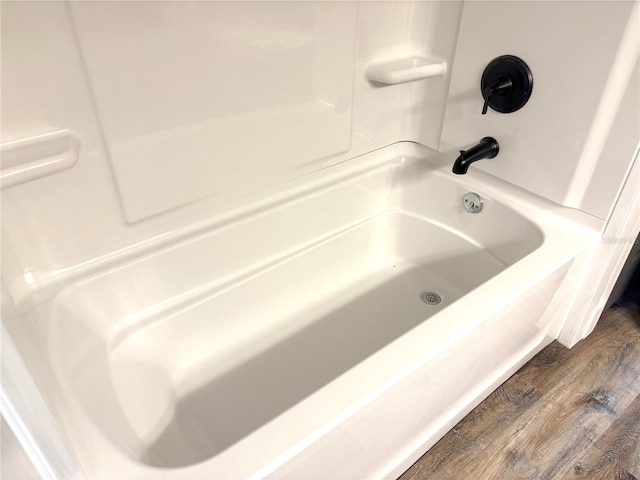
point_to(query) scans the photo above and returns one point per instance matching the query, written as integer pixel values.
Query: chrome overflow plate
(472, 202)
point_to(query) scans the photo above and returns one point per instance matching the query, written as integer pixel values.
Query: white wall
(561, 145)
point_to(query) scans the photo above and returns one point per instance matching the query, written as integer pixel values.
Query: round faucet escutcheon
(506, 84)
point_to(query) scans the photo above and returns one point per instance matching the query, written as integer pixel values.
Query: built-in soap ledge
(35, 157)
(406, 69)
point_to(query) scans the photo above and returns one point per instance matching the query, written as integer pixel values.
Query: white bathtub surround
(217, 229)
(224, 355)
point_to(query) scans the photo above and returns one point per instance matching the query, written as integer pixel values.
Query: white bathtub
(287, 337)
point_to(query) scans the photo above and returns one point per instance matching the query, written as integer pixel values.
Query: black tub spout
(487, 148)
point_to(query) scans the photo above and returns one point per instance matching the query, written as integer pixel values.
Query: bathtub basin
(332, 327)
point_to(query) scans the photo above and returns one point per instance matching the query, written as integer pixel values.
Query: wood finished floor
(567, 414)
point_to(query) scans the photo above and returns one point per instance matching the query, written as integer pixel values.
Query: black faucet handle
(501, 86)
(485, 107)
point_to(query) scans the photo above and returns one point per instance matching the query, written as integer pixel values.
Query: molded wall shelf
(406, 69)
(36, 157)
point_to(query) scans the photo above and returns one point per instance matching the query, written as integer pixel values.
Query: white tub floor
(241, 380)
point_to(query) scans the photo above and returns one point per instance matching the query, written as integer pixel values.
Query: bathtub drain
(430, 298)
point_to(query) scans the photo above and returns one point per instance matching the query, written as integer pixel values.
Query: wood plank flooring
(567, 414)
